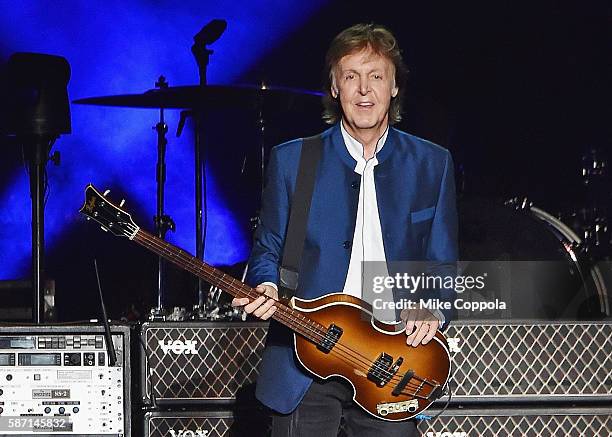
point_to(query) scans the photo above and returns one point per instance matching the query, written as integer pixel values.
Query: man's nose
(364, 86)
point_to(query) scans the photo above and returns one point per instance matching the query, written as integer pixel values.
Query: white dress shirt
(367, 240)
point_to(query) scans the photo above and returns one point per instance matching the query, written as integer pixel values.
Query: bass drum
(533, 262)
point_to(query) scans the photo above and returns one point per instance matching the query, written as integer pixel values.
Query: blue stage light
(117, 47)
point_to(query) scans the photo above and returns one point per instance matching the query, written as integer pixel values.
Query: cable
(450, 396)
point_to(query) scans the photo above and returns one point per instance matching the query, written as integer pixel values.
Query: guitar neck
(294, 320)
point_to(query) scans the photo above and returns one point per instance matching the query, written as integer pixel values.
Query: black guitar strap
(298, 217)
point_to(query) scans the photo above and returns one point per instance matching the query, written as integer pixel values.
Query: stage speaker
(530, 361)
(519, 422)
(501, 422)
(251, 422)
(492, 362)
(200, 362)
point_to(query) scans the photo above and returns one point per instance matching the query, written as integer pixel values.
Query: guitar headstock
(110, 216)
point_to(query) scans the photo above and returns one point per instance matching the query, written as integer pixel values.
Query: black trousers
(319, 414)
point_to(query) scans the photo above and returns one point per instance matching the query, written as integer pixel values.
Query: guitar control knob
(75, 410)
(62, 410)
(47, 410)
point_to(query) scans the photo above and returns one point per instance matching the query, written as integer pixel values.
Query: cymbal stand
(261, 124)
(162, 221)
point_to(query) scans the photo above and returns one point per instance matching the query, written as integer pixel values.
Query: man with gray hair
(380, 194)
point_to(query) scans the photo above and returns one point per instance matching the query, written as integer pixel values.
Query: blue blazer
(415, 191)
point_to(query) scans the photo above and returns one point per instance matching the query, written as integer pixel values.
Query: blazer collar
(345, 156)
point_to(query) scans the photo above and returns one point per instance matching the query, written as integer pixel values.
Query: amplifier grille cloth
(503, 361)
(226, 360)
(531, 360)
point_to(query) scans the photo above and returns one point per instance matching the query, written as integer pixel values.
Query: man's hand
(421, 325)
(261, 307)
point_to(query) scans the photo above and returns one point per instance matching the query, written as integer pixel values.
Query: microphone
(207, 35)
(210, 32)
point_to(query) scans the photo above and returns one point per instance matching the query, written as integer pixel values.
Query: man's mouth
(365, 105)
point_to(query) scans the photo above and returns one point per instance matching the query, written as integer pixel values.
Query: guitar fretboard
(284, 314)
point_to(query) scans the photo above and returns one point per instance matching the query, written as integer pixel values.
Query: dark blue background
(517, 90)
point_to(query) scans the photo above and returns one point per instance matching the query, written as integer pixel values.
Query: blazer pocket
(422, 215)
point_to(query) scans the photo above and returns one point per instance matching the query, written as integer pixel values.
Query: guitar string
(280, 313)
(136, 231)
(367, 363)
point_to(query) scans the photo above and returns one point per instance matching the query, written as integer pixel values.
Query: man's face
(365, 83)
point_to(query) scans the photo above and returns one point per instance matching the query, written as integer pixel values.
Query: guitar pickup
(383, 369)
(332, 336)
(403, 383)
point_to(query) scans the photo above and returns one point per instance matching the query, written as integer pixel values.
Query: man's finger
(433, 327)
(410, 321)
(263, 308)
(269, 313)
(417, 326)
(423, 330)
(238, 302)
(254, 305)
(267, 290)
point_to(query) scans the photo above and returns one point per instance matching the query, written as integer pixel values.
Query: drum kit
(559, 265)
(514, 230)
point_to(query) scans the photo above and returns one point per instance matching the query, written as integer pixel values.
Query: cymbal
(207, 97)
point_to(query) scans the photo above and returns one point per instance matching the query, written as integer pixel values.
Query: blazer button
(355, 185)
(347, 244)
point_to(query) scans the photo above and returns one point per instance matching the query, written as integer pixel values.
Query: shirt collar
(355, 148)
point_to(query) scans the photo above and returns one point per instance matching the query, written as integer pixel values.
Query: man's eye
(350, 76)
(377, 76)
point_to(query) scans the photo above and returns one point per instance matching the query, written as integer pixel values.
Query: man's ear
(394, 91)
(334, 87)
(334, 91)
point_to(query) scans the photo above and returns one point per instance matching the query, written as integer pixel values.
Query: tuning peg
(87, 218)
(104, 229)
(106, 193)
(121, 203)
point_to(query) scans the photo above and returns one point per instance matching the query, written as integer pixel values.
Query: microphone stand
(207, 35)
(38, 154)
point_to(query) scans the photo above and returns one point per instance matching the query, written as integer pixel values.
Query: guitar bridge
(331, 338)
